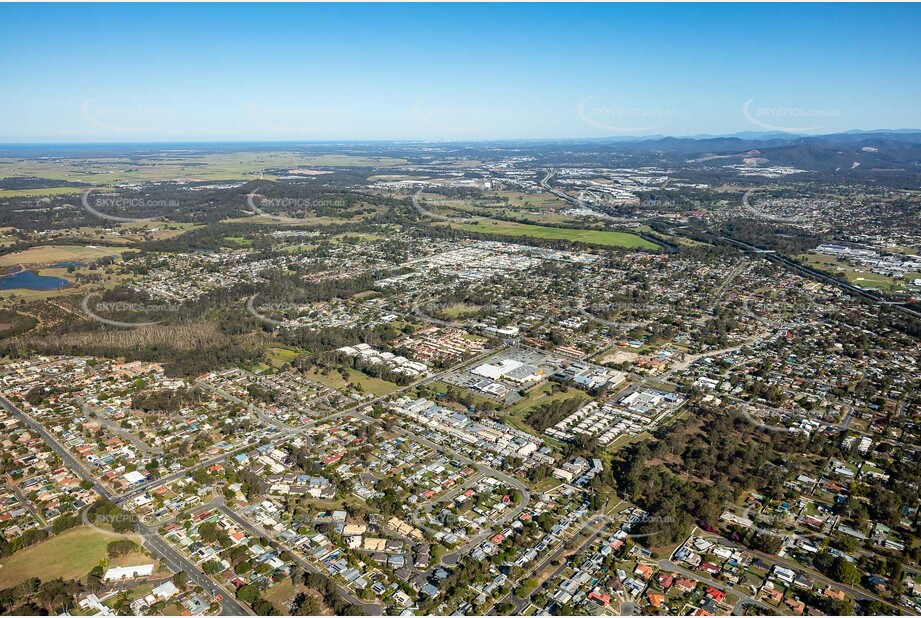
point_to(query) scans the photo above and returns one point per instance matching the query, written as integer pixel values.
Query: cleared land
(333, 379)
(858, 276)
(43, 192)
(111, 171)
(52, 254)
(279, 356)
(591, 237)
(531, 201)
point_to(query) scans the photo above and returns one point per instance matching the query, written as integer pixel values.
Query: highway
(819, 276)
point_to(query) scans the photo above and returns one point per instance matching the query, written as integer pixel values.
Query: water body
(69, 264)
(28, 280)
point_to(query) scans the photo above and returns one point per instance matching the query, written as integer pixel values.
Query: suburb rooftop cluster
(653, 377)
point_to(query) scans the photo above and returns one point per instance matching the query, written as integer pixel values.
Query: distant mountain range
(884, 149)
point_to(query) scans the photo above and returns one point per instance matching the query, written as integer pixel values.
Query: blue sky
(135, 72)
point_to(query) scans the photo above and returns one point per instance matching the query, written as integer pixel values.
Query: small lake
(28, 280)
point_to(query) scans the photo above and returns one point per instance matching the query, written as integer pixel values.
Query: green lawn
(459, 311)
(334, 380)
(70, 555)
(591, 237)
(857, 276)
(240, 241)
(279, 356)
(538, 397)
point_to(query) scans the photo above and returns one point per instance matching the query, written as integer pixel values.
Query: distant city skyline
(269, 72)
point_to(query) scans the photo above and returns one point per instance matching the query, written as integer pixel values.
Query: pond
(28, 280)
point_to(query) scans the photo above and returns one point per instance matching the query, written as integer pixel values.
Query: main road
(152, 541)
(371, 609)
(175, 560)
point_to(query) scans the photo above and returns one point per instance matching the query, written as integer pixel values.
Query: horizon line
(634, 138)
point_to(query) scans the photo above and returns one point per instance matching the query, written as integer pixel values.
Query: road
(857, 593)
(152, 541)
(599, 521)
(289, 432)
(819, 276)
(102, 417)
(579, 203)
(454, 557)
(670, 567)
(371, 609)
(174, 560)
(261, 414)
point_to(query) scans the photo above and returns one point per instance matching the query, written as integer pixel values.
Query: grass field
(591, 237)
(538, 209)
(279, 356)
(335, 160)
(240, 241)
(334, 380)
(40, 192)
(111, 171)
(862, 277)
(52, 254)
(281, 594)
(71, 555)
(541, 201)
(539, 396)
(459, 310)
(208, 166)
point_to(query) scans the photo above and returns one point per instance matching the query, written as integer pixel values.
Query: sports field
(70, 555)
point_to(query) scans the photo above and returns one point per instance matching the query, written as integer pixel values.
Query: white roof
(165, 590)
(134, 477)
(141, 570)
(488, 370)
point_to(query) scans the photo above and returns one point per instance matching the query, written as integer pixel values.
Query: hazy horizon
(755, 135)
(134, 73)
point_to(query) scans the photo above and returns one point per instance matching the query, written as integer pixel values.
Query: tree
(180, 579)
(248, 593)
(121, 547)
(845, 572)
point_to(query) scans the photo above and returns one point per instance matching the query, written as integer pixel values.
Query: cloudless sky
(139, 72)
